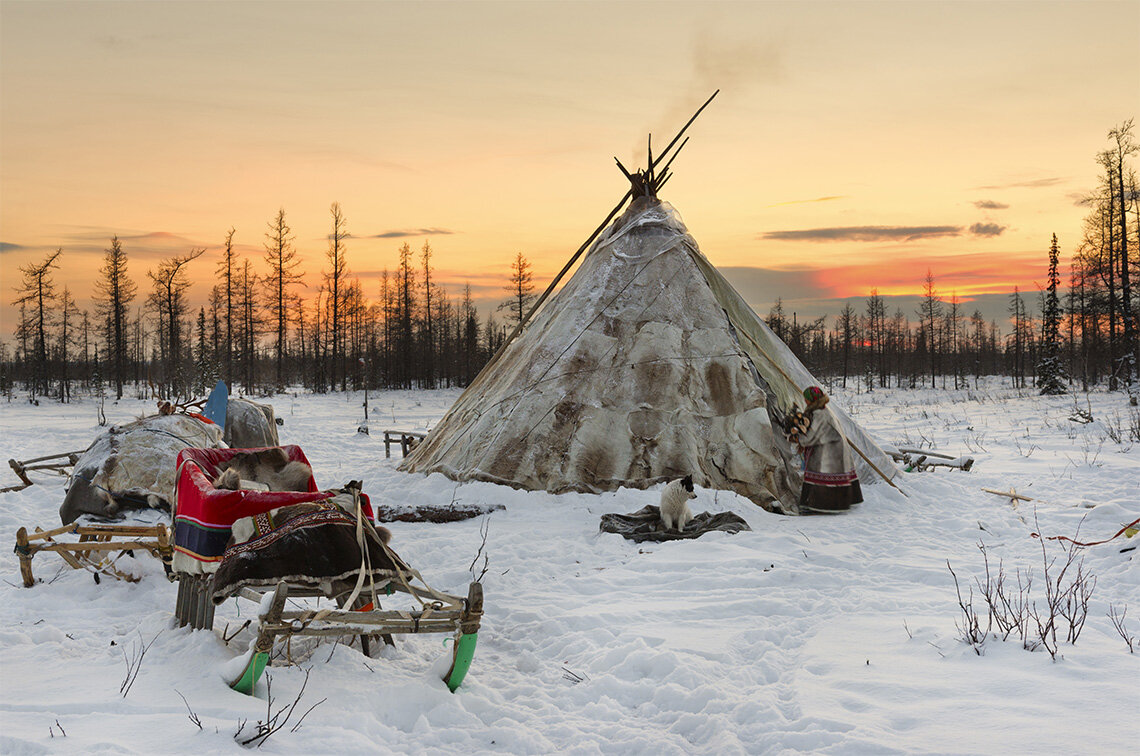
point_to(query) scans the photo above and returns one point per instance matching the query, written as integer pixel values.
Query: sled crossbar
(372, 622)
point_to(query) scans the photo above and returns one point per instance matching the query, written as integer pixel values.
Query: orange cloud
(966, 275)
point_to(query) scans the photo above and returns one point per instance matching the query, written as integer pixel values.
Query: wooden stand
(408, 440)
(94, 547)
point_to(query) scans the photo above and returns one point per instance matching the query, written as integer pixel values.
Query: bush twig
(192, 716)
(1118, 622)
(484, 531)
(134, 660)
(970, 624)
(275, 721)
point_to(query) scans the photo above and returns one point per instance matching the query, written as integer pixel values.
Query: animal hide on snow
(645, 525)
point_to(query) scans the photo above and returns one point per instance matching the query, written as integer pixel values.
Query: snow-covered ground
(814, 634)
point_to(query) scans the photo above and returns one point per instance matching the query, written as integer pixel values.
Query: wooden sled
(442, 613)
(94, 549)
(446, 614)
(920, 460)
(57, 463)
(203, 520)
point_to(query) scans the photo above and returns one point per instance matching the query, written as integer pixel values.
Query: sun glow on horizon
(823, 169)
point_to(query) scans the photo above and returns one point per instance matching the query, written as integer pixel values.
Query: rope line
(613, 348)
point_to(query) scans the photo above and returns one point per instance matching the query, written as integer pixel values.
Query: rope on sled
(365, 568)
(1119, 533)
(363, 525)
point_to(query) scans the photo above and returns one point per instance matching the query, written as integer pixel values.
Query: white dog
(675, 503)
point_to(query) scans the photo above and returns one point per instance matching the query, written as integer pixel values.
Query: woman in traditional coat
(830, 482)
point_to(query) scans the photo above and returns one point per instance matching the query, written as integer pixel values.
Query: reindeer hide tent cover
(646, 366)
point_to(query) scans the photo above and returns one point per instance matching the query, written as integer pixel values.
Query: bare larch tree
(283, 264)
(38, 294)
(168, 300)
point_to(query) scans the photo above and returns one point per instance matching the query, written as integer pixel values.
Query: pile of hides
(132, 466)
(313, 544)
(645, 525)
(250, 425)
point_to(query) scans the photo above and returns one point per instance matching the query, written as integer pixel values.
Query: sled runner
(300, 544)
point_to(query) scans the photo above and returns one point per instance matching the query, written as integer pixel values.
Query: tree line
(1053, 340)
(257, 331)
(260, 334)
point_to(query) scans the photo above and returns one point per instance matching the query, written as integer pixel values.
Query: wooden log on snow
(1011, 493)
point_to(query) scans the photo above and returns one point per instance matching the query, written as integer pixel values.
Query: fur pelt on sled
(132, 466)
(313, 544)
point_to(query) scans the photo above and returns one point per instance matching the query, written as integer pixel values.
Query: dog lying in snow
(675, 503)
(270, 467)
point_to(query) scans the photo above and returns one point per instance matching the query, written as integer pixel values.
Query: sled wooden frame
(94, 540)
(446, 613)
(22, 467)
(920, 460)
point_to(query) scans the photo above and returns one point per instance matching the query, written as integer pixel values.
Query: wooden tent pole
(683, 129)
(558, 278)
(874, 467)
(652, 164)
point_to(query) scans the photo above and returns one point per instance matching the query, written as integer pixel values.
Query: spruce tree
(1050, 371)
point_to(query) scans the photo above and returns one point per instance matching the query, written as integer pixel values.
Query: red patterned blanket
(310, 544)
(204, 515)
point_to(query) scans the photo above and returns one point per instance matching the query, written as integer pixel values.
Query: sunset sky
(853, 145)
